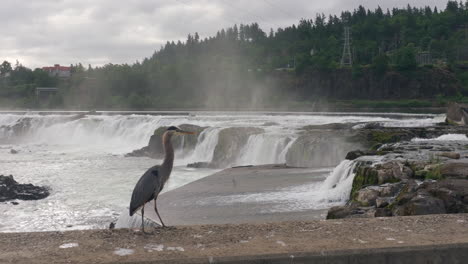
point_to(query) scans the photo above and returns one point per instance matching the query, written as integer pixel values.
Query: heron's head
(173, 130)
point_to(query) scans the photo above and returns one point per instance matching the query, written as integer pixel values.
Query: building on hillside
(424, 58)
(58, 71)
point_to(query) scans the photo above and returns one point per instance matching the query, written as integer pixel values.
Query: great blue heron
(152, 181)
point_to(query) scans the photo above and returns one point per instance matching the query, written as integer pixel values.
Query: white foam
(154, 247)
(175, 249)
(123, 251)
(69, 245)
(446, 137)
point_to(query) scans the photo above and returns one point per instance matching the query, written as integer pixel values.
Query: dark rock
(351, 210)
(13, 151)
(200, 165)
(11, 190)
(407, 192)
(383, 212)
(339, 212)
(453, 192)
(450, 155)
(447, 149)
(381, 202)
(390, 189)
(331, 126)
(352, 155)
(458, 170)
(373, 125)
(270, 124)
(421, 204)
(14, 203)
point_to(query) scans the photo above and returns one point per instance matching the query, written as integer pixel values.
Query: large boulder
(458, 170)
(155, 147)
(421, 204)
(352, 210)
(432, 197)
(368, 196)
(230, 143)
(453, 193)
(378, 195)
(11, 190)
(457, 114)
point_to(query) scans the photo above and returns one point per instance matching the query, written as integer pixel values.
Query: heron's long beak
(183, 132)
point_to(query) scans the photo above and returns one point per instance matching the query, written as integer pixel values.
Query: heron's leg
(156, 209)
(142, 219)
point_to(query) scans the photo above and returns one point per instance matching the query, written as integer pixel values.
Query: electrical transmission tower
(346, 59)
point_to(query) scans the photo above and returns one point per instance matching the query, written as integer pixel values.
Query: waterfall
(117, 133)
(204, 149)
(264, 149)
(337, 186)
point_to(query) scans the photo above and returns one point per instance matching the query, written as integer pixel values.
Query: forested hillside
(244, 66)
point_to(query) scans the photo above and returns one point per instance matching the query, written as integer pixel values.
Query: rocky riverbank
(410, 177)
(12, 190)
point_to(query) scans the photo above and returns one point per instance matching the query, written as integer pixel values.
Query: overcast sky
(45, 32)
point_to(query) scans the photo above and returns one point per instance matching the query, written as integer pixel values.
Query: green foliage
(434, 174)
(364, 176)
(406, 58)
(380, 64)
(357, 71)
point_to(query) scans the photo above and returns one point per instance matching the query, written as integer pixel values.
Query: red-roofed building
(59, 71)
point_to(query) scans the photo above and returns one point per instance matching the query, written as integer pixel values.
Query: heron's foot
(165, 227)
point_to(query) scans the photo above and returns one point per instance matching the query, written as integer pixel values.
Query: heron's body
(153, 180)
(148, 188)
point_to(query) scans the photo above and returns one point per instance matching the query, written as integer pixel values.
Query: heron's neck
(168, 150)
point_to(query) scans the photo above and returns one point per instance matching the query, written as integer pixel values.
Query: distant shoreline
(407, 112)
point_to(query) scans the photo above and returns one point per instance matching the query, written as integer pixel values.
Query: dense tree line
(233, 66)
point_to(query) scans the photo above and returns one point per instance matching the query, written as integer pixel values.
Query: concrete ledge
(413, 240)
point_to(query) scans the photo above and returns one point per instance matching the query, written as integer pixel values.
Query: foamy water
(91, 181)
(446, 137)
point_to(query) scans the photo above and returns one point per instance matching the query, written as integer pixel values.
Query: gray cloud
(45, 32)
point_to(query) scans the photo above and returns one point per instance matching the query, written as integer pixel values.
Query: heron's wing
(145, 189)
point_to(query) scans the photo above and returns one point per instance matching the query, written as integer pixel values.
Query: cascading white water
(118, 133)
(337, 186)
(205, 147)
(264, 149)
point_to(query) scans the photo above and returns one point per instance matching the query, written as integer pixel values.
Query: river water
(83, 163)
